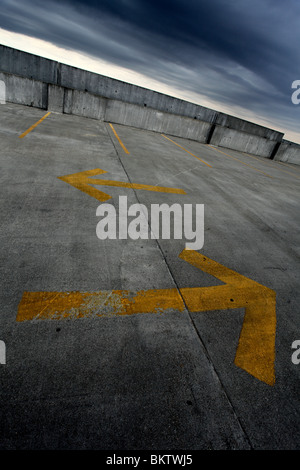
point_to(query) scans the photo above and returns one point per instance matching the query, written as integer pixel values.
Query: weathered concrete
(245, 136)
(56, 96)
(242, 141)
(231, 122)
(288, 152)
(147, 381)
(45, 70)
(153, 120)
(84, 104)
(70, 101)
(28, 65)
(137, 105)
(2, 92)
(25, 91)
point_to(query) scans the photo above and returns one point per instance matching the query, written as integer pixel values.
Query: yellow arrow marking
(256, 349)
(83, 182)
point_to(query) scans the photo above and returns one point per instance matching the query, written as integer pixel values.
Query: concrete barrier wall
(38, 68)
(242, 142)
(153, 120)
(288, 152)
(25, 91)
(237, 124)
(47, 84)
(84, 104)
(56, 96)
(66, 100)
(28, 65)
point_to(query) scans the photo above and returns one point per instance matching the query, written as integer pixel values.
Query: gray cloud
(236, 53)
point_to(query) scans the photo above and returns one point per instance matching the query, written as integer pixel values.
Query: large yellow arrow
(83, 182)
(256, 349)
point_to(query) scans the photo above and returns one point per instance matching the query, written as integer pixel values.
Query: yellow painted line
(34, 125)
(256, 348)
(83, 182)
(289, 173)
(288, 165)
(250, 166)
(185, 150)
(63, 305)
(119, 140)
(284, 171)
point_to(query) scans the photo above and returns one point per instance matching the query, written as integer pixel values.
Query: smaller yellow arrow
(83, 182)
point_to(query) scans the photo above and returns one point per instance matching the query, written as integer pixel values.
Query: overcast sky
(238, 56)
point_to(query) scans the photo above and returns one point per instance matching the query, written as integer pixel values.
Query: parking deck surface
(156, 357)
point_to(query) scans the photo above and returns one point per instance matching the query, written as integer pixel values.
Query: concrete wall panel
(288, 152)
(28, 65)
(84, 104)
(25, 91)
(153, 120)
(232, 122)
(56, 98)
(241, 141)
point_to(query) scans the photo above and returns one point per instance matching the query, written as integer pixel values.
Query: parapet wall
(36, 81)
(288, 152)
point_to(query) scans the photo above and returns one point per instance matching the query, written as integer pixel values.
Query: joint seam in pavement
(189, 314)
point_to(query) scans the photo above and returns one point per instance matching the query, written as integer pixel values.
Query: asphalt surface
(160, 380)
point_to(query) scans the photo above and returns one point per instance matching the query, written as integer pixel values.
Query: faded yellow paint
(83, 182)
(62, 305)
(186, 150)
(241, 161)
(33, 126)
(119, 140)
(272, 163)
(256, 349)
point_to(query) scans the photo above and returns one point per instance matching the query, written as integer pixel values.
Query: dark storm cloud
(241, 53)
